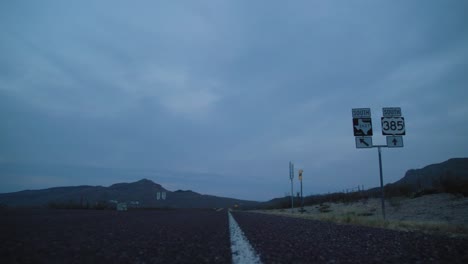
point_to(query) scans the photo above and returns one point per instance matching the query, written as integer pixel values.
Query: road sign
(394, 142)
(291, 170)
(362, 127)
(391, 111)
(361, 112)
(363, 142)
(393, 126)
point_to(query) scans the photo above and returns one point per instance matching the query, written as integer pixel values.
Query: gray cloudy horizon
(218, 96)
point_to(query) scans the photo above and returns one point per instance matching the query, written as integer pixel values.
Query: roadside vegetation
(363, 207)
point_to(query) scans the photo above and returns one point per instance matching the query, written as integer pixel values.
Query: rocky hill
(143, 193)
(435, 175)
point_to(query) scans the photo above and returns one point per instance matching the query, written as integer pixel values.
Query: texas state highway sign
(362, 127)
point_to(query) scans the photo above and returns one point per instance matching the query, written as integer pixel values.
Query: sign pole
(381, 182)
(302, 196)
(302, 200)
(291, 176)
(292, 197)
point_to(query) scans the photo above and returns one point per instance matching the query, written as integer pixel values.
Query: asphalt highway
(203, 236)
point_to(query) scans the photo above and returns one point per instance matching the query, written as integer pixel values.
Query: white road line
(242, 251)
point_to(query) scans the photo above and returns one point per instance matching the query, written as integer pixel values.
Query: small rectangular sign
(391, 111)
(363, 142)
(394, 142)
(361, 112)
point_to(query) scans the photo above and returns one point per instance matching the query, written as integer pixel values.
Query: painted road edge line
(242, 251)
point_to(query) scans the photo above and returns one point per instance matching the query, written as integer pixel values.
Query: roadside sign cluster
(393, 127)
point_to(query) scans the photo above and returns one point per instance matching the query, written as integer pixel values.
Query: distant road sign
(363, 142)
(394, 126)
(394, 142)
(362, 127)
(391, 111)
(291, 170)
(361, 112)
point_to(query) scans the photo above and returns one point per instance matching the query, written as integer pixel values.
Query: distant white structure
(161, 196)
(121, 207)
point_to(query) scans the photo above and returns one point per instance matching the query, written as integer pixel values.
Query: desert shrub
(324, 208)
(395, 202)
(366, 214)
(423, 192)
(397, 190)
(454, 185)
(101, 205)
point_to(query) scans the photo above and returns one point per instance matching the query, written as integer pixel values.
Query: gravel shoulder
(280, 239)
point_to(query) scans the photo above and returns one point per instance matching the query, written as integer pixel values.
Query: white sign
(363, 142)
(393, 126)
(291, 170)
(391, 111)
(394, 142)
(361, 112)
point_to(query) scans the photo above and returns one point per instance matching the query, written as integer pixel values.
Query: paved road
(87, 236)
(202, 236)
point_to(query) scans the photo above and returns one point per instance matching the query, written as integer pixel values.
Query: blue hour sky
(218, 96)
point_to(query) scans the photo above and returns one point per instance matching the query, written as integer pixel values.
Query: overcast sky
(218, 96)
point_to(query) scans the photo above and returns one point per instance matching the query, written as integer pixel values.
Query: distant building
(161, 195)
(122, 207)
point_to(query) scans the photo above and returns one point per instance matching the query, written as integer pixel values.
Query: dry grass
(398, 215)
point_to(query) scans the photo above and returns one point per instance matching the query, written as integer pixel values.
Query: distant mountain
(435, 174)
(143, 193)
(450, 176)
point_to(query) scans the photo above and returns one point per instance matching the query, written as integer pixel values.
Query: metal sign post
(302, 197)
(291, 176)
(393, 126)
(382, 195)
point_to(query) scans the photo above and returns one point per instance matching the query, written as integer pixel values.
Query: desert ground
(443, 213)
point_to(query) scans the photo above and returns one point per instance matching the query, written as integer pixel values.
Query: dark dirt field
(88, 236)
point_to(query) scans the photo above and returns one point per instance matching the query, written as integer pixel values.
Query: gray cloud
(230, 89)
